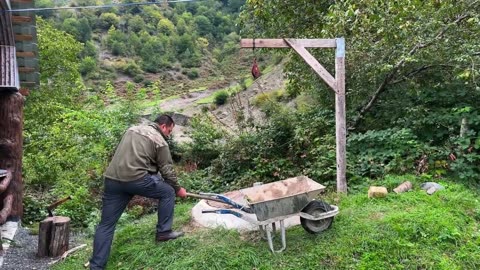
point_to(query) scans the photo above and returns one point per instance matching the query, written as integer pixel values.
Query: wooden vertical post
(340, 116)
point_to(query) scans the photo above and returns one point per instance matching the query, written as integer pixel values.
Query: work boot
(169, 235)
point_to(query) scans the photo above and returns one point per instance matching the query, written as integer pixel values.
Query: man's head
(166, 124)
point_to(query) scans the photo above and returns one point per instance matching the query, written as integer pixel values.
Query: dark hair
(164, 119)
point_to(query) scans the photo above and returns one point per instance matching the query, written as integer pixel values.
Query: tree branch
(416, 71)
(389, 77)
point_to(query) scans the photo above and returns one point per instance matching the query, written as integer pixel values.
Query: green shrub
(221, 97)
(88, 65)
(138, 78)
(131, 68)
(377, 152)
(192, 73)
(205, 145)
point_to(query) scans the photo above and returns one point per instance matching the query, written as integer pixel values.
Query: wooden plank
(281, 43)
(26, 54)
(319, 69)
(21, 1)
(340, 117)
(28, 84)
(21, 19)
(20, 37)
(26, 69)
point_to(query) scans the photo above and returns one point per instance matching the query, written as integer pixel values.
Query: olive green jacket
(142, 150)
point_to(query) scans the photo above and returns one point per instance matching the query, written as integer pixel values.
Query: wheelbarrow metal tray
(282, 198)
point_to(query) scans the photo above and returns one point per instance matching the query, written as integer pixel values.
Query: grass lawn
(402, 231)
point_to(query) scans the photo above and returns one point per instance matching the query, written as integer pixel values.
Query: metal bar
(270, 241)
(222, 199)
(204, 197)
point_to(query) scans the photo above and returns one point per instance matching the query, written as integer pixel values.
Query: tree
(386, 48)
(166, 27)
(108, 20)
(203, 25)
(136, 24)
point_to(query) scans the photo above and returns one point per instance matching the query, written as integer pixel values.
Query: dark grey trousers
(115, 199)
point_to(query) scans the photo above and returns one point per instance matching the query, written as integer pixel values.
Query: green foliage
(192, 73)
(205, 142)
(221, 97)
(34, 209)
(108, 20)
(87, 65)
(68, 136)
(375, 153)
(131, 68)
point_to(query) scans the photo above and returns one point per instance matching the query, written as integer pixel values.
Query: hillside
(241, 102)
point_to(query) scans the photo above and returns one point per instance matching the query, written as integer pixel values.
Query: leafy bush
(192, 73)
(375, 153)
(87, 65)
(221, 97)
(205, 145)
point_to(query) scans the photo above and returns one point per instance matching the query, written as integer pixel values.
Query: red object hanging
(255, 70)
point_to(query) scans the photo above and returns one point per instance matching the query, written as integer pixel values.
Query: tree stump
(53, 236)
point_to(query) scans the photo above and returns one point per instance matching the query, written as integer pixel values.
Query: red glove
(182, 193)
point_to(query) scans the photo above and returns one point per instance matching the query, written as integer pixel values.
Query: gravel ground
(21, 255)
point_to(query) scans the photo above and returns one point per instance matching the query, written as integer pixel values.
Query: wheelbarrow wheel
(315, 208)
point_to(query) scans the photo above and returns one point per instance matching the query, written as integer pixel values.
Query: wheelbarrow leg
(269, 238)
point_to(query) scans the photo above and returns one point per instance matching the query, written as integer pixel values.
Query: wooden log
(403, 187)
(16, 19)
(26, 54)
(53, 236)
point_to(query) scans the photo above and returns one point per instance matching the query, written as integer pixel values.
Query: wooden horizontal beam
(281, 43)
(19, 37)
(28, 84)
(25, 54)
(26, 69)
(21, 1)
(21, 19)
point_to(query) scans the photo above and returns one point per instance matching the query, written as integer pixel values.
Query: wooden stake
(340, 117)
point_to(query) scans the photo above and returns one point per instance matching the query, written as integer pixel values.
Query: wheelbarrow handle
(222, 199)
(223, 211)
(204, 197)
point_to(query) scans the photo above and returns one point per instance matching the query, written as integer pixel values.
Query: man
(142, 165)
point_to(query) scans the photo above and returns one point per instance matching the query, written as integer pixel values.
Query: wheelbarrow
(275, 202)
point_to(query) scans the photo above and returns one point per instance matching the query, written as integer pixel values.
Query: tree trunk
(11, 143)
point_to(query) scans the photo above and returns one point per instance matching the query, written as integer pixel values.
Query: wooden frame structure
(336, 83)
